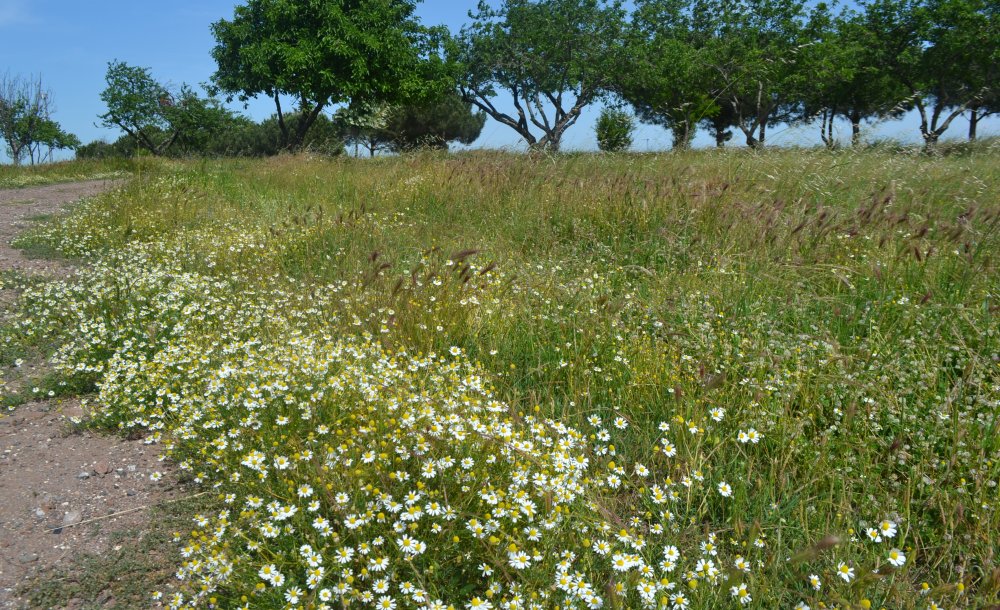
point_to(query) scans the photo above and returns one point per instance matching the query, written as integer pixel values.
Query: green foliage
(232, 136)
(614, 130)
(410, 127)
(26, 125)
(137, 104)
(157, 120)
(669, 81)
(840, 74)
(325, 53)
(552, 57)
(435, 124)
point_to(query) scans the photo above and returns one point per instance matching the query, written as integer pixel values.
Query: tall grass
(840, 305)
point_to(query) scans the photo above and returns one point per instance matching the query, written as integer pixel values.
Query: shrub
(614, 130)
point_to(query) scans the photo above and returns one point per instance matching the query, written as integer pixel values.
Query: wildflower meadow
(698, 380)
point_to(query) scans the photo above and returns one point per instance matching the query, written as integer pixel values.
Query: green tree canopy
(26, 124)
(325, 53)
(614, 130)
(754, 52)
(839, 74)
(670, 81)
(156, 118)
(434, 124)
(552, 57)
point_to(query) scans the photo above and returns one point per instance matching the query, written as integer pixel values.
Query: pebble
(83, 476)
(27, 557)
(72, 517)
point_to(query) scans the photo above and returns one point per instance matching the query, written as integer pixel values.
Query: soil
(65, 492)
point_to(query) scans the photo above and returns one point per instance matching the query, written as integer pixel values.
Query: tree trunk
(282, 126)
(855, 128)
(762, 132)
(683, 133)
(826, 128)
(973, 123)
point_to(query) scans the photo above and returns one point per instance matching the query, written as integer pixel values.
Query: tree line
(369, 74)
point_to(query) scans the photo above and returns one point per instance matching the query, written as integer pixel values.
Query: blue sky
(69, 42)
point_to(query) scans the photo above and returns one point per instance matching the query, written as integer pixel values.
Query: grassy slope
(842, 304)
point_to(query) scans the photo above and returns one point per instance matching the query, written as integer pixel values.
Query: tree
(50, 137)
(553, 58)
(614, 130)
(838, 74)
(754, 52)
(326, 53)
(980, 109)
(24, 108)
(960, 63)
(434, 125)
(158, 120)
(365, 125)
(140, 106)
(945, 53)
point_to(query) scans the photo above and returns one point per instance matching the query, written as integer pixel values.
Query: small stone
(83, 476)
(26, 557)
(102, 468)
(40, 513)
(72, 517)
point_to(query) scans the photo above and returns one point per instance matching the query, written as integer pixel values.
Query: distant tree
(669, 81)
(720, 123)
(982, 108)
(435, 124)
(552, 57)
(839, 75)
(365, 125)
(158, 120)
(26, 125)
(960, 63)
(614, 130)
(50, 137)
(326, 53)
(754, 52)
(945, 53)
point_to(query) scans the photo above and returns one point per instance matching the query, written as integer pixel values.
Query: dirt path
(64, 494)
(17, 206)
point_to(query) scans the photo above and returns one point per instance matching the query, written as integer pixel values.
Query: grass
(755, 358)
(64, 171)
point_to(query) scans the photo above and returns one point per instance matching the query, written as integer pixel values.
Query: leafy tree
(960, 64)
(325, 53)
(434, 125)
(553, 58)
(26, 125)
(159, 120)
(945, 53)
(982, 108)
(754, 51)
(838, 75)
(720, 123)
(614, 130)
(669, 82)
(365, 125)
(49, 137)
